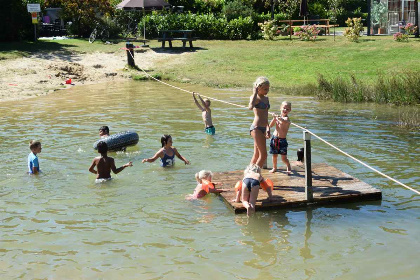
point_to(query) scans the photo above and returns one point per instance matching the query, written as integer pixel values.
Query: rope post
(130, 54)
(308, 168)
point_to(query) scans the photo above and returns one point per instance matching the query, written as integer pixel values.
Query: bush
(406, 30)
(236, 9)
(206, 26)
(269, 29)
(354, 29)
(306, 32)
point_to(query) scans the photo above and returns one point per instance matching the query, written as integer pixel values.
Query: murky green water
(60, 225)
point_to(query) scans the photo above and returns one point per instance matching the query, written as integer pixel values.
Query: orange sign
(34, 18)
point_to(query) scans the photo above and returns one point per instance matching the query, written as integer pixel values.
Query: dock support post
(130, 54)
(308, 169)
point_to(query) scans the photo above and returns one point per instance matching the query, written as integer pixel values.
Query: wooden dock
(329, 185)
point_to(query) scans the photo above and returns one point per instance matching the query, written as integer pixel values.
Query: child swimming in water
(206, 114)
(205, 185)
(33, 162)
(104, 131)
(167, 153)
(105, 164)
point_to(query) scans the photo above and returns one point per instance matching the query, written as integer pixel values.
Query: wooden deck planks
(330, 185)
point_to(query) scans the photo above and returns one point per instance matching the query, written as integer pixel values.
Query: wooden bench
(293, 23)
(174, 35)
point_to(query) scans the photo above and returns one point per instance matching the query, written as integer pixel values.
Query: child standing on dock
(205, 185)
(206, 114)
(167, 153)
(33, 162)
(260, 129)
(278, 143)
(105, 164)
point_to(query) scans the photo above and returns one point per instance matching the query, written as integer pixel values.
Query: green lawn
(237, 63)
(293, 63)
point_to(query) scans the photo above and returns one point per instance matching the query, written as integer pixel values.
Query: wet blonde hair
(204, 174)
(287, 103)
(196, 178)
(261, 81)
(252, 168)
(34, 144)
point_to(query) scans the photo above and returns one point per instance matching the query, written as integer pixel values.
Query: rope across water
(298, 126)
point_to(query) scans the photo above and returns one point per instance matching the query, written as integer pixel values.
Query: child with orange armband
(252, 181)
(205, 185)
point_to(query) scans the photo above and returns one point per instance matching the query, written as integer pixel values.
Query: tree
(82, 13)
(15, 21)
(289, 7)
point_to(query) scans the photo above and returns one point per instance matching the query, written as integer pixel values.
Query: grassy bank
(291, 65)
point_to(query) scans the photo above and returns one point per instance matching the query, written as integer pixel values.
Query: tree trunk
(416, 11)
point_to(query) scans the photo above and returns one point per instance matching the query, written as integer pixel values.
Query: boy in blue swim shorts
(205, 113)
(278, 143)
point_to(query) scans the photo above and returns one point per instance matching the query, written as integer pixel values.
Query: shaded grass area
(23, 49)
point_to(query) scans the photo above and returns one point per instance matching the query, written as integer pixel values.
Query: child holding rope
(260, 130)
(167, 153)
(206, 113)
(278, 143)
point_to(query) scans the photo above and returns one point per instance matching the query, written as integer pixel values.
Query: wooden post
(130, 54)
(308, 169)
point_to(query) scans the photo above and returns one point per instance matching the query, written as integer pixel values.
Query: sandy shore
(43, 73)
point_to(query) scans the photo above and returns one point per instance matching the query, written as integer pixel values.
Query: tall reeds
(398, 88)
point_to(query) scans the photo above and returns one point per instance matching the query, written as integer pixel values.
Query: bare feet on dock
(273, 170)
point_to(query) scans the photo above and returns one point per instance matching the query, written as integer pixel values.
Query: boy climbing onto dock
(206, 113)
(278, 143)
(105, 164)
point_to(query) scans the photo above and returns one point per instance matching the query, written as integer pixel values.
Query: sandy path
(43, 73)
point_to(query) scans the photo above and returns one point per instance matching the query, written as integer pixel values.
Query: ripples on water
(62, 225)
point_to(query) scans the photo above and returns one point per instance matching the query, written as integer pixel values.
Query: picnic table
(294, 23)
(172, 35)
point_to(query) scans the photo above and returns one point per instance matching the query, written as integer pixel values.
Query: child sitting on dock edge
(206, 114)
(104, 164)
(278, 143)
(250, 188)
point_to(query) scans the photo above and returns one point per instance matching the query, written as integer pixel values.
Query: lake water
(61, 225)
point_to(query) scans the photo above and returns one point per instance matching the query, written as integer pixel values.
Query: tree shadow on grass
(176, 50)
(32, 48)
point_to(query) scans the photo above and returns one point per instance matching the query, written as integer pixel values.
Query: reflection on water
(140, 226)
